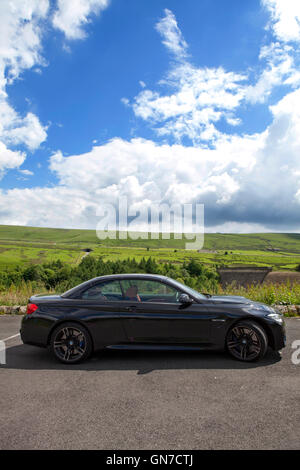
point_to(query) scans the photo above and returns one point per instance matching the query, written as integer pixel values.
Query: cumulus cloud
(285, 19)
(139, 169)
(71, 16)
(278, 69)
(22, 25)
(249, 179)
(20, 39)
(200, 97)
(9, 158)
(268, 193)
(21, 130)
(20, 49)
(246, 182)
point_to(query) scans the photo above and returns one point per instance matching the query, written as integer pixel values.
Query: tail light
(31, 308)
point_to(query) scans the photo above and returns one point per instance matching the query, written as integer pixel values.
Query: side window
(144, 290)
(110, 290)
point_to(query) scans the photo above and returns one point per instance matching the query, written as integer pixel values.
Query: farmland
(34, 260)
(25, 245)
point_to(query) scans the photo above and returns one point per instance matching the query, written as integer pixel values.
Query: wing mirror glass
(185, 299)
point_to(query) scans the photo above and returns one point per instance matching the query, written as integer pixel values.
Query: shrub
(18, 285)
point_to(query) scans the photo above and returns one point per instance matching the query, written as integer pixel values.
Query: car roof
(114, 277)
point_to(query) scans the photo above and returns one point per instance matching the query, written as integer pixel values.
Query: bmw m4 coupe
(144, 311)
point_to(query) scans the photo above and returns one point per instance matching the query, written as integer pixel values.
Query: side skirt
(163, 347)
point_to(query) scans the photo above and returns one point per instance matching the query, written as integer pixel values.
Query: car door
(99, 307)
(159, 318)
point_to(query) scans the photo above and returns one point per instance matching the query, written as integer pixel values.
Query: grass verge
(274, 294)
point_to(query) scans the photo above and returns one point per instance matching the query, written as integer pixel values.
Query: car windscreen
(188, 290)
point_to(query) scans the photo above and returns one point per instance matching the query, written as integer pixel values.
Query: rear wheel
(247, 341)
(71, 343)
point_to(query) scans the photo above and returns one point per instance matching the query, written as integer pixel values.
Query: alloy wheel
(70, 344)
(244, 343)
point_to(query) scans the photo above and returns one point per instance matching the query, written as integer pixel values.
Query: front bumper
(278, 334)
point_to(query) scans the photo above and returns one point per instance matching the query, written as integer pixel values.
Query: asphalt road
(148, 400)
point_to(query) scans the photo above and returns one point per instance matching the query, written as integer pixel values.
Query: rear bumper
(33, 331)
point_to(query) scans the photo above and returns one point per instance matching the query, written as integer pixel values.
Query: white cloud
(20, 39)
(143, 171)
(125, 101)
(282, 57)
(26, 172)
(285, 18)
(279, 69)
(17, 130)
(20, 49)
(200, 97)
(244, 180)
(237, 180)
(171, 34)
(22, 24)
(71, 16)
(9, 159)
(248, 181)
(196, 99)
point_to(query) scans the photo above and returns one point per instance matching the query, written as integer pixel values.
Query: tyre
(247, 341)
(71, 343)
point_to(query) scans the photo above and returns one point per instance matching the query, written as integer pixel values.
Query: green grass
(287, 242)
(279, 294)
(11, 255)
(26, 245)
(19, 295)
(288, 294)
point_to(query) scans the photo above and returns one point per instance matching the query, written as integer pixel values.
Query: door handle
(132, 308)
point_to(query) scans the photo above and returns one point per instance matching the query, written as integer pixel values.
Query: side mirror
(185, 299)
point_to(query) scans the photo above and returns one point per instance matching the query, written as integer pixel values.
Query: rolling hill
(19, 245)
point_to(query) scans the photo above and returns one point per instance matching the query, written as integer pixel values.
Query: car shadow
(24, 357)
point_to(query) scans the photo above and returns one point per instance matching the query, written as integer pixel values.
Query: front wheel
(247, 341)
(71, 343)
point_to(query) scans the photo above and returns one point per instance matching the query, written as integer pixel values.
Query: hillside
(23, 245)
(288, 242)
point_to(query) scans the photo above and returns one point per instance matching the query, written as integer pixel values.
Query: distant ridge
(287, 242)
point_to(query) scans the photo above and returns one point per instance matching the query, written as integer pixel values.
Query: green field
(287, 242)
(24, 245)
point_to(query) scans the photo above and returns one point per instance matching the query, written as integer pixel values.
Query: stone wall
(290, 310)
(243, 276)
(13, 310)
(282, 277)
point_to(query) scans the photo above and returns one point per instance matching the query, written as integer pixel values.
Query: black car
(144, 311)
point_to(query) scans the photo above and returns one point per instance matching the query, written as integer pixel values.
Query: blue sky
(158, 101)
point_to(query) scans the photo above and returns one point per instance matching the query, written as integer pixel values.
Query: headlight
(276, 317)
